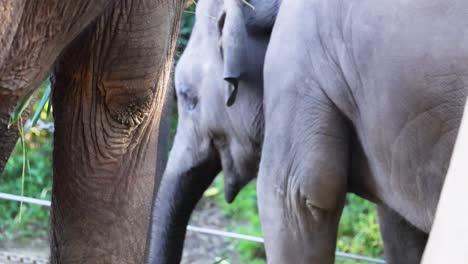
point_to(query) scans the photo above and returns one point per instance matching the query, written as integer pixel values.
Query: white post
(448, 241)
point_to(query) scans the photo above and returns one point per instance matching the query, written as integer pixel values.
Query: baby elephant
(226, 51)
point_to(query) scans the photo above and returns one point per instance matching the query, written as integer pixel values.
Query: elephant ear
(233, 42)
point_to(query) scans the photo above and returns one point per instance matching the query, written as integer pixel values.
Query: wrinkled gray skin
(360, 96)
(110, 61)
(210, 135)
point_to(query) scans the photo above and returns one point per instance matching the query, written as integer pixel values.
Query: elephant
(363, 97)
(222, 63)
(110, 63)
(321, 111)
(211, 137)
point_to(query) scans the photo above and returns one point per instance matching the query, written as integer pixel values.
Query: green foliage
(186, 25)
(41, 106)
(28, 172)
(37, 183)
(359, 229)
(20, 108)
(24, 103)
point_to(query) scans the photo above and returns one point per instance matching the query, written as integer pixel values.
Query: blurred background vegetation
(358, 232)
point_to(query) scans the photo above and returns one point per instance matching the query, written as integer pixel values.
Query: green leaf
(42, 103)
(212, 191)
(23, 146)
(49, 108)
(19, 110)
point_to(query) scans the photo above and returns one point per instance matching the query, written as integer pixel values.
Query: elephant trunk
(181, 188)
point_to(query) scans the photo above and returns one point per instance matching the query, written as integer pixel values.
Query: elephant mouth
(232, 189)
(230, 192)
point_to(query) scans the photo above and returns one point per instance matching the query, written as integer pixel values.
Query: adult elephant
(364, 97)
(211, 136)
(110, 63)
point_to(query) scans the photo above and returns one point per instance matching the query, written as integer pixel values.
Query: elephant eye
(189, 99)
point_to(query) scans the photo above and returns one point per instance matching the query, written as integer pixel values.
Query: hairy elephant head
(227, 47)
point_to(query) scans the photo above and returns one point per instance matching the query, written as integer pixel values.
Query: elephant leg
(403, 243)
(109, 94)
(303, 174)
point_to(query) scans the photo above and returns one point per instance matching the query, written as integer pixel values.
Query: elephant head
(228, 43)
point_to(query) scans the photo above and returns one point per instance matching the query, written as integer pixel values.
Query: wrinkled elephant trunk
(181, 188)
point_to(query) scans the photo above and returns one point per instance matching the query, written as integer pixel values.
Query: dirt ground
(198, 248)
(208, 249)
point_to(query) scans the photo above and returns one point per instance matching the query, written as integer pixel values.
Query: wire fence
(203, 230)
(12, 257)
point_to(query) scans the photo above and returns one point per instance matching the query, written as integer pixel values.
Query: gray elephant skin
(363, 97)
(359, 97)
(210, 135)
(110, 64)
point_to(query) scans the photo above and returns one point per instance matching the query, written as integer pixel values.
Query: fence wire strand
(202, 230)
